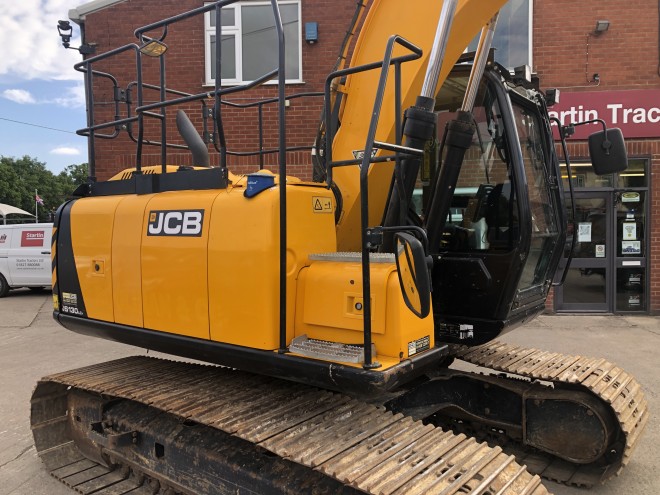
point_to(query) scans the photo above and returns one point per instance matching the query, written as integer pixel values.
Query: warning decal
(419, 345)
(321, 204)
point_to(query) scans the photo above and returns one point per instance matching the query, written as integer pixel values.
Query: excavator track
(96, 428)
(602, 379)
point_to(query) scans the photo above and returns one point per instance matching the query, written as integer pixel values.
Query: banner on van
(32, 238)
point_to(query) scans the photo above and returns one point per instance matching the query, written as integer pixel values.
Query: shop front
(609, 272)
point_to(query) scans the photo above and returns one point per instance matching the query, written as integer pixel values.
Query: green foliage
(20, 177)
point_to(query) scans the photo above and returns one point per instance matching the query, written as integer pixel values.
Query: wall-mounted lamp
(66, 31)
(601, 27)
(311, 32)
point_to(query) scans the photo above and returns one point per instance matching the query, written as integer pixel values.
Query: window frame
(236, 31)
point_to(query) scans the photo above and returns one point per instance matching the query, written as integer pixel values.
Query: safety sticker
(70, 299)
(419, 345)
(321, 204)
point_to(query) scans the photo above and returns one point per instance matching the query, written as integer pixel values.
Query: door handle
(45, 252)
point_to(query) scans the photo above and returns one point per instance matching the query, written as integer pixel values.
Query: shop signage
(635, 112)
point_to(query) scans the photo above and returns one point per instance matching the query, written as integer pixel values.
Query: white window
(249, 42)
(513, 35)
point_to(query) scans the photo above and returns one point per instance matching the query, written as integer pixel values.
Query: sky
(42, 99)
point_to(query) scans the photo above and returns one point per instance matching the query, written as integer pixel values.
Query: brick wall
(114, 26)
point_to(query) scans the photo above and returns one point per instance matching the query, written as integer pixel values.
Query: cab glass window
(545, 230)
(484, 210)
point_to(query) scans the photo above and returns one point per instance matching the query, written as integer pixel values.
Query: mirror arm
(376, 233)
(570, 129)
(592, 121)
(567, 159)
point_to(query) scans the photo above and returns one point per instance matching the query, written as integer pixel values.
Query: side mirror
(608, 151)
(413, 274)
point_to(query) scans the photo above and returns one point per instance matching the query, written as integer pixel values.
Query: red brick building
(604, 58)
(108, 24)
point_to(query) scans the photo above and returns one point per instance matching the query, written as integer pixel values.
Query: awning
(8, 210)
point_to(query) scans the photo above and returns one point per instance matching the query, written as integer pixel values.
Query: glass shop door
(590, 278)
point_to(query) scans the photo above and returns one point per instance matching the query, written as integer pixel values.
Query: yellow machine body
(139, 267)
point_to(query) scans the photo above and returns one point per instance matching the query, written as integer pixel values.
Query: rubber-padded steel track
(605, 380)
(361, 445)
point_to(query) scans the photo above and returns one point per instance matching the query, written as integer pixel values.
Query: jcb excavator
(334, 308)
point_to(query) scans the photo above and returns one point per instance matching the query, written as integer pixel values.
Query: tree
(20, 177)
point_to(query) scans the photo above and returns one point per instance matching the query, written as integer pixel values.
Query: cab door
(502, 240)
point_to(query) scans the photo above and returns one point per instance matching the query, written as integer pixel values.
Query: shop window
(630, 291)
(584, 176)
(631, 220)
(249, 42)
(634, 175)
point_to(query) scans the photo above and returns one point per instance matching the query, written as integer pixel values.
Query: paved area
(32, 345)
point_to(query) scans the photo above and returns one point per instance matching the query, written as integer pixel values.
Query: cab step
(329, 351)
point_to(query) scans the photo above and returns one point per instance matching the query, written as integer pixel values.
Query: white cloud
(74, 98)
(32, 48)
(65, 150)
(19, 96)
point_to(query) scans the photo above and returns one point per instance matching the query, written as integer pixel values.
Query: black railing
(367, 159)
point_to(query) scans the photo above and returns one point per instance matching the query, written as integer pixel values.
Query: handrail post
(163, 121)
(217, 107)
(261, 136)
(140, 115)
(281, 76)
(91, 155)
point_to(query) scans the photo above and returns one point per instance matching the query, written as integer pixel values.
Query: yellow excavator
(333, 308)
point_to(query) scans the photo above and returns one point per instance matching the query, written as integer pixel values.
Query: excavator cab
(503, 235)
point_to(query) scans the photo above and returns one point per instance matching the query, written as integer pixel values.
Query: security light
(601, 26)
(65, 30)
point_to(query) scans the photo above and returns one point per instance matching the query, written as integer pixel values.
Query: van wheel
(4, 286)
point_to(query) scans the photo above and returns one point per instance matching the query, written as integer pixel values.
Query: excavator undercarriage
(143, 425)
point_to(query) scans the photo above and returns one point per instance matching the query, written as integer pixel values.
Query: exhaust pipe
(195, 143)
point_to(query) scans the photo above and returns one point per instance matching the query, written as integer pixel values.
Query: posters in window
(631, 247)
(584, 232)
(629, 231)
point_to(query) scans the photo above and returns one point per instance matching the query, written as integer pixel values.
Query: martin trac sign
(635, 112)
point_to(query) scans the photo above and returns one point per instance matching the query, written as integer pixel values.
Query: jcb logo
(176, 222)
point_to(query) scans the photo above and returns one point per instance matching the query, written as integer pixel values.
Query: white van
(25, 256)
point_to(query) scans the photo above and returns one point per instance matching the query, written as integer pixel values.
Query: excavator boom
(415, 21)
